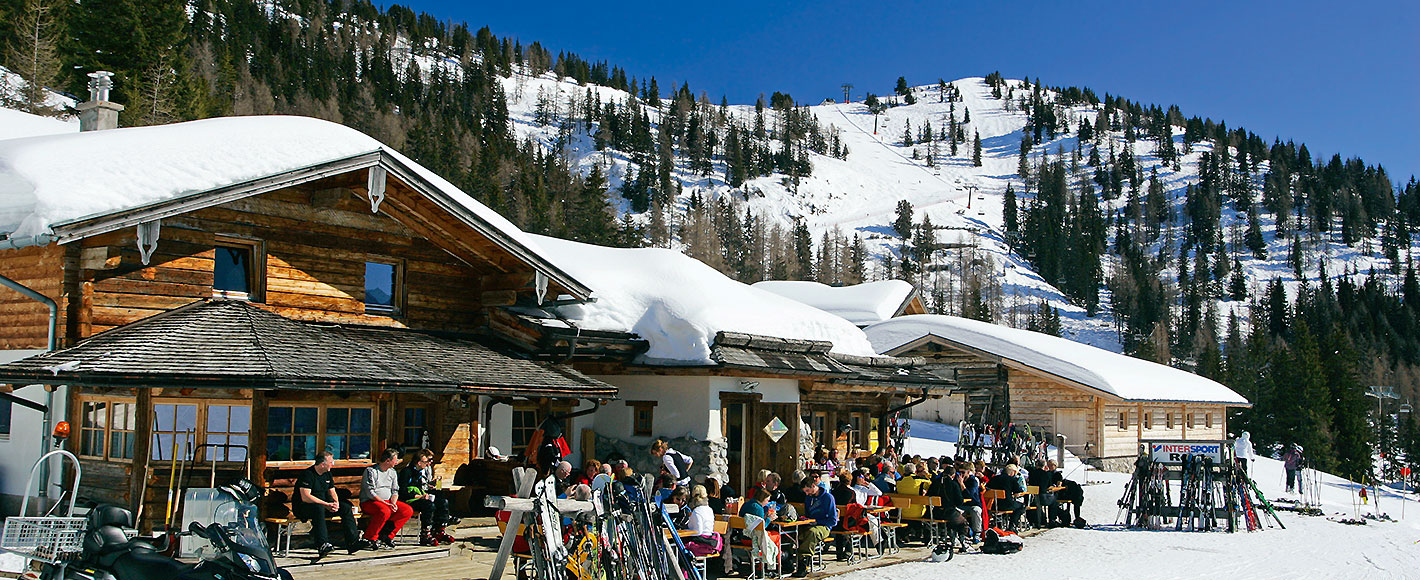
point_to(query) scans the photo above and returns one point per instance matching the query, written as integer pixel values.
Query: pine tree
(903, 222)
(1009, 211)
(33, 53)
(976, 151)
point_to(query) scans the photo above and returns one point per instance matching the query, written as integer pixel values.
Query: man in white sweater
(379, 499)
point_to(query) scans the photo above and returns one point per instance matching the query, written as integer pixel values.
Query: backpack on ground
(999, 541)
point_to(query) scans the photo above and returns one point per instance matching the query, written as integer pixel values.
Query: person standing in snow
(1292, 460)
(1242, 450)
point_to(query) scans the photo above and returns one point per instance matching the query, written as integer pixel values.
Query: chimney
(98, 114)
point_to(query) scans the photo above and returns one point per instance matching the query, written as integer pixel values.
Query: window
(227, 425)
(291, 433)
(819, 424)
(122, 430)
(1208, 420)
(236, 264)
(524, 424)
(414, 427)
(1124, 420)
(348, 432)
(106, 428)
(643, 414)
(93, 423)
(1148, 420)
(171, 424)
(1168, 420)
(381, 288)
(1188, 421)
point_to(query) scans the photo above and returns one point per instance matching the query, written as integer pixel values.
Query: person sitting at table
(1043, 478)
(970, 497)
(665, 485)
(379, 500)
(678, 498)
(590, 469)
(866, 490)
(718, 495)
(818, 506)
(793, 494)
(701, 522)
(758, 505)
(886, 479)
(1009, 482)
(602, 479)
(416, 488)
(769, 481)
(842, 491)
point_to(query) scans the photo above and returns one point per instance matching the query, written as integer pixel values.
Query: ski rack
(1213, 491)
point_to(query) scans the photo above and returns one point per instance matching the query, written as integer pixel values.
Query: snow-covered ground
(1309, 547)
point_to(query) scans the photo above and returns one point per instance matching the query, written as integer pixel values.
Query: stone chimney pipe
(98, 114)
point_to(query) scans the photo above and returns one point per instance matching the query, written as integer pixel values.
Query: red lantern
(61, 430)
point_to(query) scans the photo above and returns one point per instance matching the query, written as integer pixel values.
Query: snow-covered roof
(49, 181)
(861, 304)
(678, 304)
(19, 124)
(1115, 374)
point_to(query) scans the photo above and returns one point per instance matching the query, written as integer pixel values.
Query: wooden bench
(990, 496)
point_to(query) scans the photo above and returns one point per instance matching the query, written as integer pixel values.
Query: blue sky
(1340, 77)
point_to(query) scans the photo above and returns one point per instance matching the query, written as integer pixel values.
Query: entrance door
(735, 439)
(1074, 425)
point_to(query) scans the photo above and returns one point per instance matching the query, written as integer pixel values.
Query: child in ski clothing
(1291, 461)
(1363, 496)
(379, 499)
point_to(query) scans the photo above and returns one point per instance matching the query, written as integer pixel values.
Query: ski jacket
(1242, 448)
(820, 507)
(1292, 459)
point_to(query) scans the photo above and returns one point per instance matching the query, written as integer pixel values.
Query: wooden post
(523, 480)
(256, 451)
(142, 436)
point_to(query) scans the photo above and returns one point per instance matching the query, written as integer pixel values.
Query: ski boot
(427, 538)
(442, 535)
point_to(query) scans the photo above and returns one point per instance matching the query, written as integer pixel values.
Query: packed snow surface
(1310, 547)
(1123, 376)
(678, 303)
(18, 124)
(861, 304)
(49, 180)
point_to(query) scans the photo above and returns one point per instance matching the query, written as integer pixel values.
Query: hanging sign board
(1173, 452)
(776, 429)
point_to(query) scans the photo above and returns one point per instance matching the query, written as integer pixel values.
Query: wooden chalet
(1103, 402)
(283, 285)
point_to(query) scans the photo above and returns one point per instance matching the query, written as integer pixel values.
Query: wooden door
(1073, 424)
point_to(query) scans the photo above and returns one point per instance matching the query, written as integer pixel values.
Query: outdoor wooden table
(790, 530)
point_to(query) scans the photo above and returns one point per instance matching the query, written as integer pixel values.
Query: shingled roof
(812, 358)
(233, 344)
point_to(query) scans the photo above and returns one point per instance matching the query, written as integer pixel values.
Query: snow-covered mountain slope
(860, 194)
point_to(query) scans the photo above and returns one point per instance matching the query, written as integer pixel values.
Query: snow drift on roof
(678, 303)
(50, 180)
(1123, 376)
(18, 124)
(860, 304)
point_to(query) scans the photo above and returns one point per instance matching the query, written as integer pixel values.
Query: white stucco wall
(686, 406)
